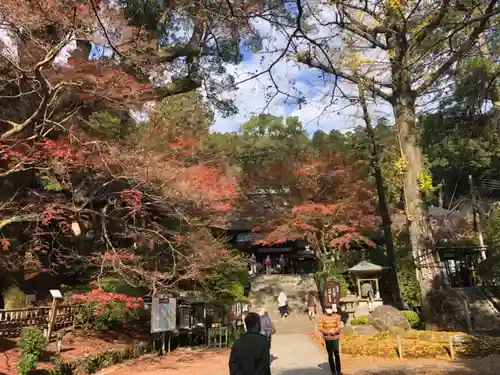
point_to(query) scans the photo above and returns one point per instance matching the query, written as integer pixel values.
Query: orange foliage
(334, 205)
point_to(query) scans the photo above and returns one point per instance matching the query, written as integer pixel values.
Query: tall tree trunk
(382, 203)
(426, 259)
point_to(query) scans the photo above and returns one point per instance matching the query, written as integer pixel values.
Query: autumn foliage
(102, 310)
(332, 206)
(85, 189)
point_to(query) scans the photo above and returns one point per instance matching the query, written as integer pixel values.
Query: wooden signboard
(163, 314)
(331, 294)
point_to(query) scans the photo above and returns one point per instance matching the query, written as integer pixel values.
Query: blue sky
(291, 77)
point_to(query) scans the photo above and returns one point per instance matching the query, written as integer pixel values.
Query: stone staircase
(484, 315)
(264, 291)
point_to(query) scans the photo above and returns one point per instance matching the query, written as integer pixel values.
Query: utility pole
(477, 218)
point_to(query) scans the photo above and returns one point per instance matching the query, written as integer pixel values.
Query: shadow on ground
(302, 371)
(478, 366)
(400, 371)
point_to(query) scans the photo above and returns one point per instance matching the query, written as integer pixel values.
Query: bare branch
(351, 77)
(18, 219)
(432, 25)
(47, 91)
(471, 39)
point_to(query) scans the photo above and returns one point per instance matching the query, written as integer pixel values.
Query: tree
(382, 201)
(421, 43)
(461, 138)
(86, 190)
(331, 207)
(262, 148)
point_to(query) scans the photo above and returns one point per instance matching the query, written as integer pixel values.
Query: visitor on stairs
(311, 305)
(266, 325)
(250, 353)
(253, 265)
(283, 305)
(268, 262)
(282, 263)
(331, 326)
(244, 314)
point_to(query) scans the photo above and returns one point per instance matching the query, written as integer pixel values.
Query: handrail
(26, 309)
(489, 297)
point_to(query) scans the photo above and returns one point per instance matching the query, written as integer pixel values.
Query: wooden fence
(12, 321)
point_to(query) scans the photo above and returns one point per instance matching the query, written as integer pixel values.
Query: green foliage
(332, 270)
(187, 114)
(427, 188)
(27, 363)
(141, 15)
(493, 232)
(235, 332)
(106, 123)
(112, 284)
(61, 368)
(32, 343)
(413, 318)
(14, 298)
(51, 184)
(32, 340)
(408, 284)
(230, 51)
(227, 281)
(267, 138)
(360, 320)
(489, 269)
(95, 316)
(357, 146)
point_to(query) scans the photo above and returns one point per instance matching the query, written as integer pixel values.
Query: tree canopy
(108, 165)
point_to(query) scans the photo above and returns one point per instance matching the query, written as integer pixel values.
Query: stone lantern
(367, 276)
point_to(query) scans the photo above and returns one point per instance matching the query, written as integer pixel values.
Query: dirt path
(215, 363)
(294, 356)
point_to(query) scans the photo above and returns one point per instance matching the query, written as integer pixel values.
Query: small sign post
(331, 294)
(56, 296)
(163, 317)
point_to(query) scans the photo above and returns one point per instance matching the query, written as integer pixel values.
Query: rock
(349, 331)
(386, 318)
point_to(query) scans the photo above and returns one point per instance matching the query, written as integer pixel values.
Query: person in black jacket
(250, 353)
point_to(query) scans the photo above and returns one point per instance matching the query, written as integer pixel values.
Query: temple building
(296, 254)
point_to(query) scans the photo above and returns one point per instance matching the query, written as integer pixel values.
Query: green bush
(360, 320)
(413, 318)
(32, 342)
(27, 363)
(62, 368)
(94, 316)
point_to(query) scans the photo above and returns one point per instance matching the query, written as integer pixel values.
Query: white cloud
(319, 111)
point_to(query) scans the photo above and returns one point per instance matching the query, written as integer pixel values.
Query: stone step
(264, 292)
(483, 314)
(293, 324)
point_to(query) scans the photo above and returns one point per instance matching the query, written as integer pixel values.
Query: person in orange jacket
(331, 326)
